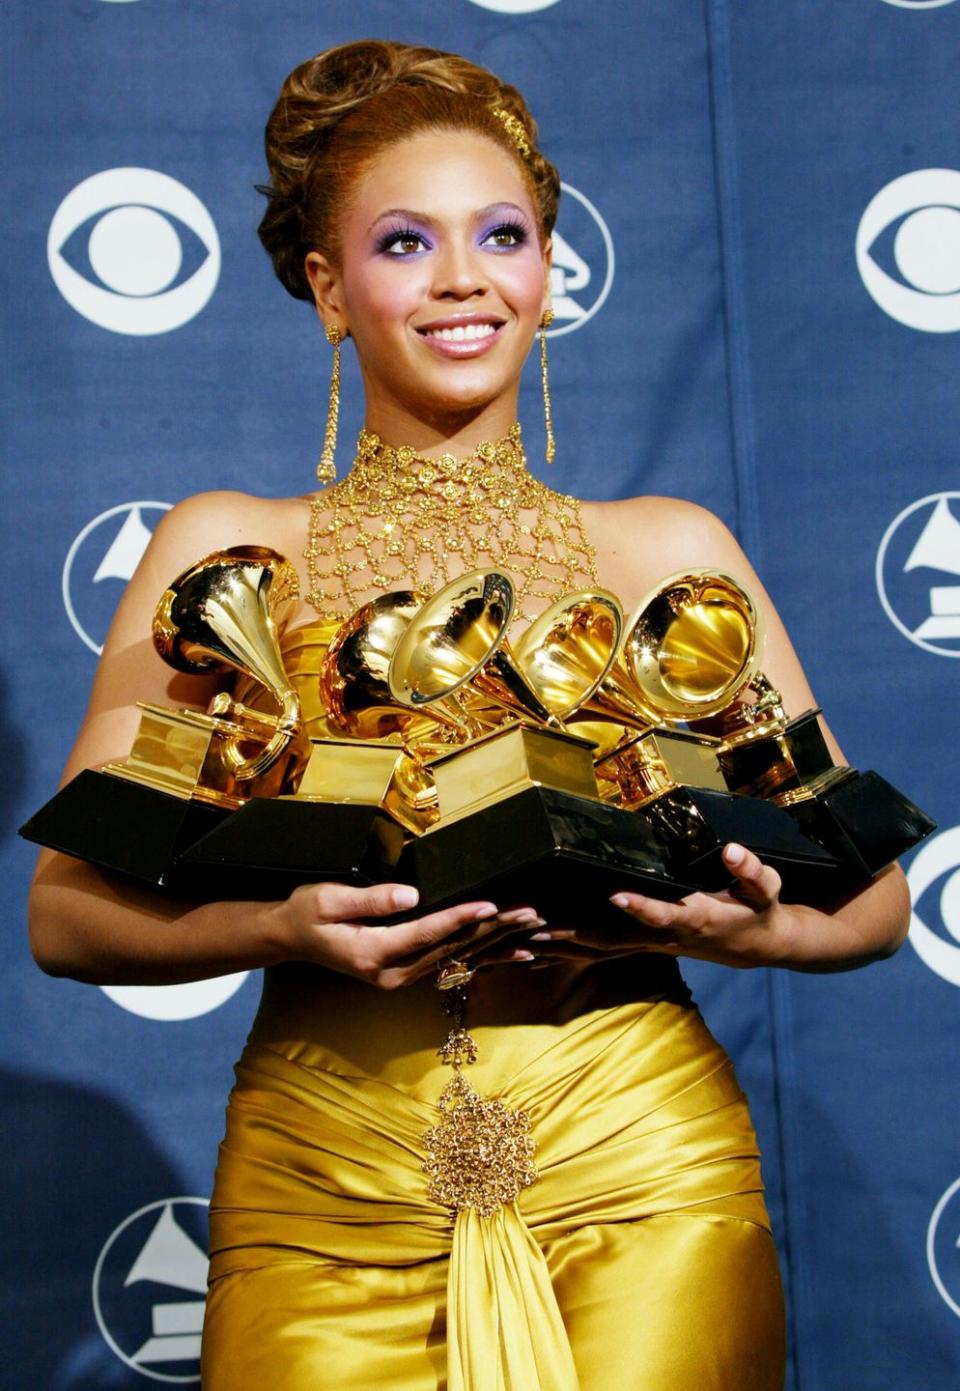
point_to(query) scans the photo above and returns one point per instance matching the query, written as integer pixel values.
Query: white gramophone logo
(918, 573)
(149, 1288)
(108, 548)
(943, 1247)
(912, 226)
(149, 245)
(583, 263)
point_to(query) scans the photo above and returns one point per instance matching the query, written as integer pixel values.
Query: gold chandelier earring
(545, 323)
(327, 467)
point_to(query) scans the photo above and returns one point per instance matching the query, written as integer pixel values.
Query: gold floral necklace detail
(397, 518)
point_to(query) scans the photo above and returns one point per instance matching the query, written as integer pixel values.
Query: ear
(327, 290)
(547, 263)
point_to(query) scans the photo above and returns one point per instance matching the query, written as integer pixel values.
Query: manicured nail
(523, 956)
(542, 937)
(733, 854)
(405, 896)
(486, 912)
(619, 900)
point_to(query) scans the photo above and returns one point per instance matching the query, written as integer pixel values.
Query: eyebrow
(425, 220)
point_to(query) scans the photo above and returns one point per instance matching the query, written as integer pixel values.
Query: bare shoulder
(210, 521)
(640, 540)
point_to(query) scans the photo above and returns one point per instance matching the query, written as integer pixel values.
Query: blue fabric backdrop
(758, 310)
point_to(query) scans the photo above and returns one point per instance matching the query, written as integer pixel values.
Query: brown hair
(338, 111)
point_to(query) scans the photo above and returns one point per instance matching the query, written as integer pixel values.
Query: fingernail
(405, 896)
(523, 956)
(539, 922)
(486, 910)
(619, 900)
(733, 853)
(541, 937)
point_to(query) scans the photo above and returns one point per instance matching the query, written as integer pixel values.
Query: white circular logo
(583, 263)
(934, 880)
(150, 244)
(918, 4)
(169, 1004)
(108, 548)
(149, 1289)
(514, 6)
(912, 227)
(918, 573)
(943, 1247)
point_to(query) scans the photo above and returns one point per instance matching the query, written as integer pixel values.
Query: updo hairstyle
(338, 111)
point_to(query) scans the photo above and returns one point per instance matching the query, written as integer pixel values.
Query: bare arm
(98, 928)
(639, 543)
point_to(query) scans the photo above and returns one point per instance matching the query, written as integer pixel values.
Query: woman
(620, 1239)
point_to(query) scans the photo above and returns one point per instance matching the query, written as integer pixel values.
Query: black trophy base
(564, 854)
(271, 845)
(864, 821)
(122, 826)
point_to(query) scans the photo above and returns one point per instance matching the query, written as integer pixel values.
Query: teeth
(463, 333)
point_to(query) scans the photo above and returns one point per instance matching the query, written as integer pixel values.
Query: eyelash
(397, 235)
(515, 230)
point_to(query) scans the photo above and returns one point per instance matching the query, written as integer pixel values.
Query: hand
(325, 924)
(745, 925)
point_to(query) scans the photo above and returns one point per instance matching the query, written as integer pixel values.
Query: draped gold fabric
(640, 1260)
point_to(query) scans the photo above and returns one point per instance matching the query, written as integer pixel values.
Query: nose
(459, 272)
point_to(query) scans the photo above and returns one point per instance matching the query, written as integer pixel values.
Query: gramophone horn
(567, 652)
(353, 679)
(693, 645)
(457, 643)
(225, 613)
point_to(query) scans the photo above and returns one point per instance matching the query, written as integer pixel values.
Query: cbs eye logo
(934, 881)
(912, 227)
(134, 251)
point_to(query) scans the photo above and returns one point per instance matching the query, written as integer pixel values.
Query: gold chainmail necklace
(397, 518)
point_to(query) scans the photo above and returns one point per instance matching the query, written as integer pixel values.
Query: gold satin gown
(640, 1260)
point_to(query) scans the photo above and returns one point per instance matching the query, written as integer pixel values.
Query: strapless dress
(640, 1258)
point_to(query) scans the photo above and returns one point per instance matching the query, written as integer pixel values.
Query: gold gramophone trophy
(189, 770)
(520, 809)
(858, 817)
(345, 814)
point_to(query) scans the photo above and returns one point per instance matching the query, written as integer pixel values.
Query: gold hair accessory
(545, 323)
(402, 521)
(515, 129)
(327, 467)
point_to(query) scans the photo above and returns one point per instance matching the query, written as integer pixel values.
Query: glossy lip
(468, 347)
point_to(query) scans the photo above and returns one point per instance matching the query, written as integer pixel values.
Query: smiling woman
(586, 1211)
